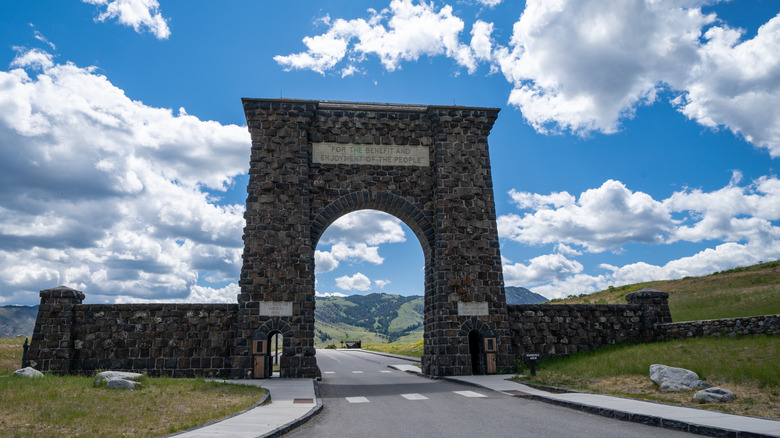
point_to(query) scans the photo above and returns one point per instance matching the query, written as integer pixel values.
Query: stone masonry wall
(563, 329)
(177, 340)
(751, 325)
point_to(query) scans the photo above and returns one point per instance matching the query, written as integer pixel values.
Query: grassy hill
(748, 291)
(373, 318)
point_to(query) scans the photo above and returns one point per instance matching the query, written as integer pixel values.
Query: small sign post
(531, 359)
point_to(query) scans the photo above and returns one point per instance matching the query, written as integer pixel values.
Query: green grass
(747, 291)
(69, 406)
(746, 365)
(732, 360)
(412, 350)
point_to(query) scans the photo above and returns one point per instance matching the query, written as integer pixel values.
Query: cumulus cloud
(739, 220)
(583, 66)
(108, 195)
(736, 84)
(542, 269)
(600, 219)
(139, 14)
(356, 282)
(356, 237)
(381, 283)
(404, 31)
(370, 226)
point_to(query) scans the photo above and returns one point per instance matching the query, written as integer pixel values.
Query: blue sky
(637, 140)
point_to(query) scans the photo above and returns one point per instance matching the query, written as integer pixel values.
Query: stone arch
(382, 201)
(314, 161)
(275, 325)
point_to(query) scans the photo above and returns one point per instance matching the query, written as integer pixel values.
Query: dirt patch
(751, 400)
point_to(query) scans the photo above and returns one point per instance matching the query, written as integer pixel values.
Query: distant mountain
(17, 320)
(521, 295)
(372, 318)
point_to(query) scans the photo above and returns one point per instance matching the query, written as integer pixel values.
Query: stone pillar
(278, 257)
(52, 347)
(469, 279)
(655, 309)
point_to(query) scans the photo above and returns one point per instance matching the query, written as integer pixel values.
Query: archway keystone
(312, 162)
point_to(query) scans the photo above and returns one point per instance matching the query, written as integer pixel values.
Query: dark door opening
(475, 350)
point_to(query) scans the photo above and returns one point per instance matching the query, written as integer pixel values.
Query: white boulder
(671, 379)
(107, 376)
(122, 384)
(28, 372)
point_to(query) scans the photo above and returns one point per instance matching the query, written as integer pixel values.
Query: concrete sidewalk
(292, 402)
(698, 421)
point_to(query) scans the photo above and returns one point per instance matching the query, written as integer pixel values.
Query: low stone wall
(178, 340)
(563, 329)
(751, 325)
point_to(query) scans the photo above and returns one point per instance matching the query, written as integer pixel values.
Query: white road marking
(414, 396)
(357, 399)
(357, 372)
(329, 372)
(385, 371)
(469, 394)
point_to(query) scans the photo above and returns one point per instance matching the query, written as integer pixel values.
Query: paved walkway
(293, 401)
(699, 421)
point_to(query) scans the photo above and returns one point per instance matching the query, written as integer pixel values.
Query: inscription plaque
(472, 308)
(337, 153)
(276, 308)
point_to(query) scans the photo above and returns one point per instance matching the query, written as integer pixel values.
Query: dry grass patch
(69, 406)
(751, 400)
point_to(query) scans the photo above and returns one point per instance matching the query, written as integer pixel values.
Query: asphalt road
(362, 397)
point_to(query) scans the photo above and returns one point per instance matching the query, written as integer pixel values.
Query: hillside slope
(17, 320)
(521, 295)
(747, 291)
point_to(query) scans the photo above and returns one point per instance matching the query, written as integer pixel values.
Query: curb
(279, 431)
(648, 420)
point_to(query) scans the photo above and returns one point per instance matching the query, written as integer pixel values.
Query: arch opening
(366, 259)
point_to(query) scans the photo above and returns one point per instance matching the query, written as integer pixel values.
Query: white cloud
(140, 14)
(329, 294)
(106, 194)
(404, 31)
(740, 220)
(381, 283)
(356, 282)
(326, 261)
(542, 269)
(736, 84)
(584, 65)
(490, 3)
(364, 226)
(601, 219)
